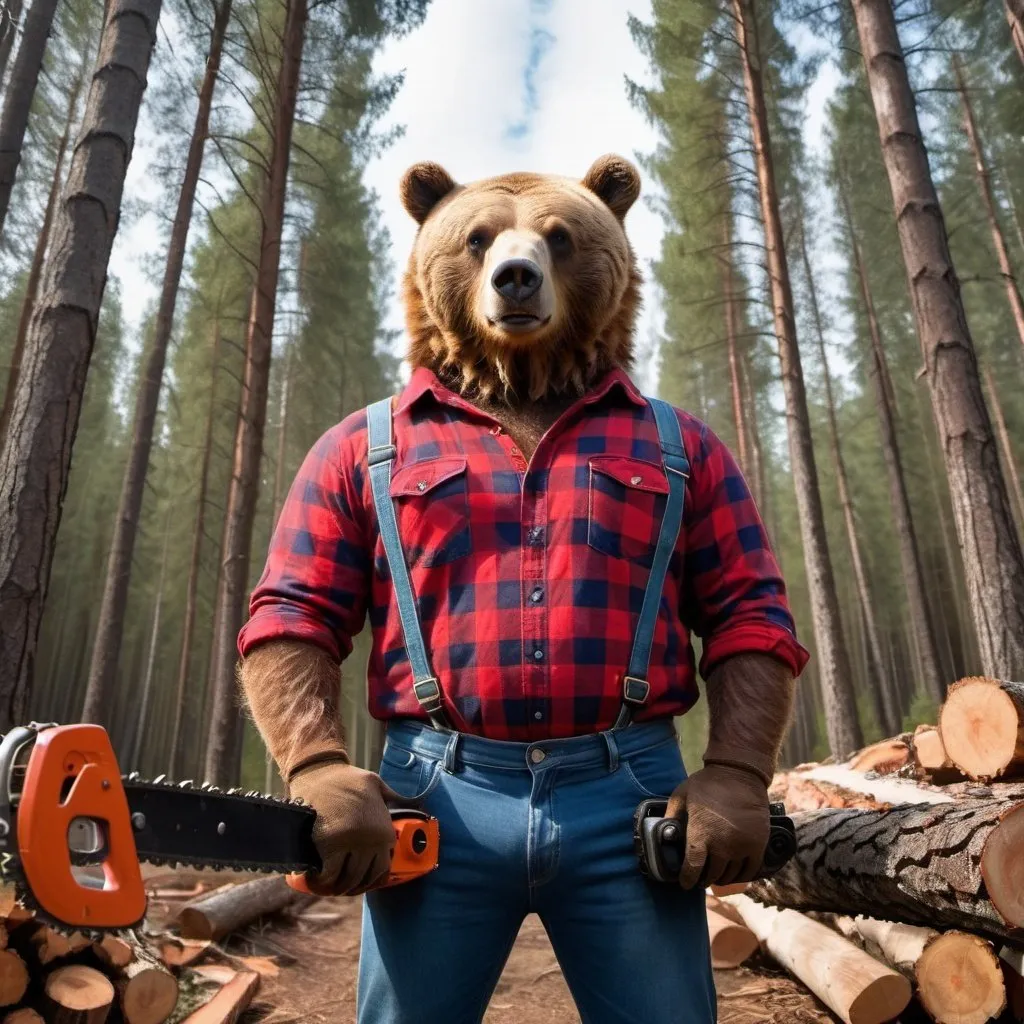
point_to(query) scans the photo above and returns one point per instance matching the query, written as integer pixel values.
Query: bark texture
(899, 500)
(1015, 18)
(36, 455)
(227, 909)
(729, 299)
(107, 646)
(19, 92)
(842, 724)
(9, 18)
(1004, 443)
(993, 560)
(916, 863)
(224, 749)
(39, 254)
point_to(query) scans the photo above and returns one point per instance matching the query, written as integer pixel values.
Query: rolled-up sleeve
(315, 584)
(734, 596)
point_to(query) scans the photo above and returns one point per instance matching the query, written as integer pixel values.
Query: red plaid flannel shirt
(528, 577)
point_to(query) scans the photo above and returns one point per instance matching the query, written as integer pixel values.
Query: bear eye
(558, 239)
(476, 241)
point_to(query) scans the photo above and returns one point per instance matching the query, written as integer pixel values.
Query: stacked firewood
(908, 880)
(179, 976)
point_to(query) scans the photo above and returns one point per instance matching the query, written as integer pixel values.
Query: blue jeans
(546, 828)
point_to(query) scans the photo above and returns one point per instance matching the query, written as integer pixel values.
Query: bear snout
(517, 279)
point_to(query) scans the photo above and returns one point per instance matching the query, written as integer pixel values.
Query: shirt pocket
(431, 501)
(626, 505)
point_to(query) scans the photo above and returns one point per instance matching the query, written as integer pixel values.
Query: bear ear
(423, 187)
(615, 181)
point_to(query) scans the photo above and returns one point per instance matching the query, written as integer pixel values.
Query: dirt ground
(318, 950)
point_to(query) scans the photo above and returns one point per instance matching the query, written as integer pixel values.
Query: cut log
(800, 793)
(1012, 962)
(982, 726)
(177, 952)
(957, 975)
(3, 935)
(731, 942)
(231, 1001)
(49, 945)
(13, 977)
(929, 750)
(8, 899)
(26, 1015)
(856, 987)
(146, 990)
(732, 889)
(226, 910)
(78, 995)
(18, 915)
(883, 757)
(114, 952)
(952, 865)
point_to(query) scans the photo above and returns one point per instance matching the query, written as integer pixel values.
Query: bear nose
(518, 279)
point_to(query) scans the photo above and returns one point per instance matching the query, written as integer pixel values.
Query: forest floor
(317, 951)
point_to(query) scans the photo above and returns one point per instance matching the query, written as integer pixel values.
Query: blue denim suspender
(635, 687)
(380, 456)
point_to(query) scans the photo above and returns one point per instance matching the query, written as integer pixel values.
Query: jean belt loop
(450, 752)
(613, 750)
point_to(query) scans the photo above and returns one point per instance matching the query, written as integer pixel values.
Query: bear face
(521, 287)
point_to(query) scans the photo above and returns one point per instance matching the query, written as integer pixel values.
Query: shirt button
(514, 451)
(537, 755)
(538, 655)
(634, 480)
(536, 535)
(422, 485)
(538, 715)
(536, 595)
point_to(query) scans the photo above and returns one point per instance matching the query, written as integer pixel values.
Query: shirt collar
(424, 380)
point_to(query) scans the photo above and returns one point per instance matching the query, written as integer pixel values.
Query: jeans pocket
(656, 771)
(409, 774)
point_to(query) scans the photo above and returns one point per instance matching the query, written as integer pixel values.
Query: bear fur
(479, 342)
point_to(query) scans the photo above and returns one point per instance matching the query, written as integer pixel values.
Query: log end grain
(982, 723)
(1002, 866)
(149, 996)
(881, 999)
(25, 1015)
(13, 977)
(731, 943)
(929, 750)
(884, 757)
(959, 980)
(79, 988)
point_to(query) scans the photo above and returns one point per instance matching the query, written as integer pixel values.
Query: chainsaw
(73, 830)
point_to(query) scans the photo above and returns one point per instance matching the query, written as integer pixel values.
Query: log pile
(908, 882)
(134, 977)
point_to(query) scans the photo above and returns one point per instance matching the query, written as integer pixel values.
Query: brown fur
(597, 283)
(293, 691)
(750, 698)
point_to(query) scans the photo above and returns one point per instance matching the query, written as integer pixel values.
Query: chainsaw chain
(12, 874)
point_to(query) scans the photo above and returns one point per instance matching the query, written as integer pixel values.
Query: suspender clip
(428, 693)
(635, 691)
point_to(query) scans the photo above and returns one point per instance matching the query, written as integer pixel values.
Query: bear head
(521, 287)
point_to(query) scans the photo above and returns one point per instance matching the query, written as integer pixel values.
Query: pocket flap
(643, 476)
(423, 477)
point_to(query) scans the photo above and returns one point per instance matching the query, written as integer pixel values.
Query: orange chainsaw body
(72, 773)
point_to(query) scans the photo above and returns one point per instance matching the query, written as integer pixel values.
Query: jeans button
(537, 755)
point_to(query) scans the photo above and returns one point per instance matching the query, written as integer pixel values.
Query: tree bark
(9, 18)
(22, 87)
(195, 558)
(1004, 442)
(225, 910)
(992, 553)
(36, 455)
(757, 450)
(880, 688)
(729, 299)
(226, 726)
(926, 864)
(36, 269)
(107, 646)
(899, 500)
(1006, 268)
(1015, 18)
(844, 732)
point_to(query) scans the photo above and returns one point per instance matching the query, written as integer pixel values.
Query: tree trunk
(192, 587)
(943, 865)
(1015, 17)
(36, 269)
(730, 337)
(36, 455)
(882, 694)
(844, 732)
(282, 435)
(988, 538)
(899, 500)
(22, 87)
(1006, 268)
(107, 646)
(226, 725)
(9, 18)
(750, 402)
(1004, 442)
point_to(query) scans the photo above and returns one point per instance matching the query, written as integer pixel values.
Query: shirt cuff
(754, 638)
(270, 626)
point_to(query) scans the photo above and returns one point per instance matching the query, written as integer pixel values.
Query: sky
(493, 86)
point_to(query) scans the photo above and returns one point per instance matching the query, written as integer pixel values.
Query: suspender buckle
(381, 453)
(635, 691)
(428, 693)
